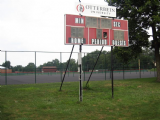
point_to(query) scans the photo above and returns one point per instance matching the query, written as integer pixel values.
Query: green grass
(133, 99)
(153, 69)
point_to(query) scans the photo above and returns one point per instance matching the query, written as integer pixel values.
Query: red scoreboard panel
(95, 31)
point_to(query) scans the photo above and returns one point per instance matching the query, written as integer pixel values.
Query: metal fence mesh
(27, 67)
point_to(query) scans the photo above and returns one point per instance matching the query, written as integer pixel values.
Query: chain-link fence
(29, 67)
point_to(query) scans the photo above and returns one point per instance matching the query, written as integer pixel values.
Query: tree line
(147, 60)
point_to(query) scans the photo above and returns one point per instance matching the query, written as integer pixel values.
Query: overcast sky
(36, 25)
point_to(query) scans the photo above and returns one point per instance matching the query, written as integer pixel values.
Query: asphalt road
(50, 78)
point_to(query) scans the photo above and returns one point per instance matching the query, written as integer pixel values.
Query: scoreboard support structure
(112, 71)
(66, 68)
(94, 65)
(80, 73)
(95, 31)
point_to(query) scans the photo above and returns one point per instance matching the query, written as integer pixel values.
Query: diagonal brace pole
(66, 67)
(94, 65)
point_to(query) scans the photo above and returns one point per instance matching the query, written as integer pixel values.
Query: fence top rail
(44, 51)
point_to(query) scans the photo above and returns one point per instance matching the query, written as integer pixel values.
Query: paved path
(50, 78)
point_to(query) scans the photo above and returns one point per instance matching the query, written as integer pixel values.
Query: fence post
(5, 68)
(35, 67)
(123, 70)
(61, 66)
(139, 63)
(112, 71)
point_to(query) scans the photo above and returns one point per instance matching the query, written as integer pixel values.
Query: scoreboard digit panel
(119, 38)
(95, 31)
(91, 22)
(118, 35)
(106, 23)
(99, 33)
(77, 32)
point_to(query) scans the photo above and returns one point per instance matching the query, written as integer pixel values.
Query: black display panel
(118, 35)
(77, 32)
(99, 33)
(91, 22)
(106, 23)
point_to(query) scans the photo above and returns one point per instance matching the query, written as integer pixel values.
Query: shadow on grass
(87, 87)
(5, 115)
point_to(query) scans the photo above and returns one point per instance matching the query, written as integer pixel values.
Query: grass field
(153, 69)
(133, 99)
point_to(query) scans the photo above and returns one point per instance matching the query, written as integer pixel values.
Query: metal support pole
(80, 75)
(94, 65)
(84, 66)
(35, 67)
(123, 70)
(66, 68)
(112, 71)
(105, 66)
(5, 68)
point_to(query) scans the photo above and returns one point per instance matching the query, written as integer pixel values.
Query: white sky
(37, 25)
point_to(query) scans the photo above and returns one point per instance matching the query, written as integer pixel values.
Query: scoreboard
(95, 31)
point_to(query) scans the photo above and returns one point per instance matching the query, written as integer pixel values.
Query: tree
(89, 60)
(142, 15)
(123, 54)
(30, 67)
(17, 68)
(56, 63)
(7, 64)
(72, 65)
(48, 64)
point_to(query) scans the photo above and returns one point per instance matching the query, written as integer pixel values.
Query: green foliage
(138, 36)
(89, 60)
(17, 68)
(141, 15)
(73, 66)
(7, 64)
(104, 62)
(121, 56)
(30, 67)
